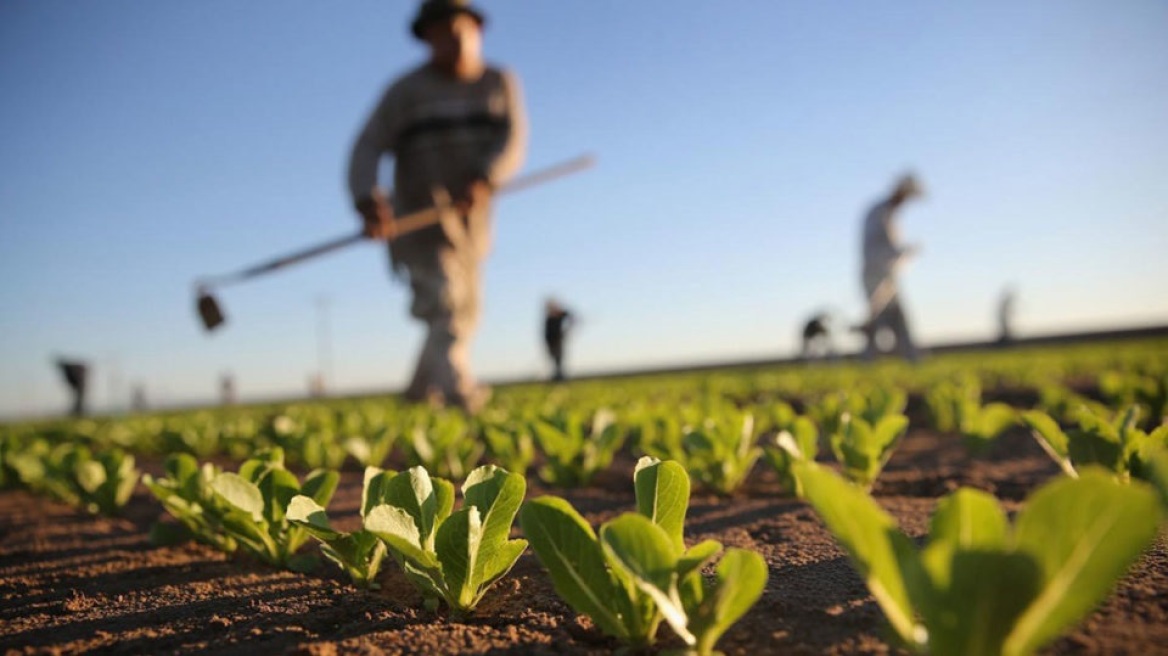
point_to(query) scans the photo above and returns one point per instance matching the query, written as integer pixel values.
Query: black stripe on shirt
(447, 124)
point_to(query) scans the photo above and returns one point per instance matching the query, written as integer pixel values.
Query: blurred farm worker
(817, 337)
(456, 128)
(1006, 307)
(883, 255)
(556, 324)
(75, 374)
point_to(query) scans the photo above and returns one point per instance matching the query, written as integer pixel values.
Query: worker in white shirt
(883, 256)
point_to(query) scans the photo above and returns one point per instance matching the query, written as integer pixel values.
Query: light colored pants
(444, 277)
(890, 317)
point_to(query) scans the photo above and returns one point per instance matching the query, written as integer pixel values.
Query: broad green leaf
(497, 494)
(662, 491)
(309, 514)
(413, 492)
(240, 493)
(373, 488)
(1084, 533)
(1050, 437)
(969, 519)
(181, 467)
(994, 419)
(1158, 474)
(973, 610)
(869, 536)
(643, 551)
(697, 557)
(641, 547)
(397, 528)
(277, 486)
(741, 579)
(457, 545)
(567, 547)
(499, 559)
(90, 476)
(320, 485)
(1091, 447)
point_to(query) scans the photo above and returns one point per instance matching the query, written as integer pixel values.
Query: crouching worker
(556, 324)
(456, 130)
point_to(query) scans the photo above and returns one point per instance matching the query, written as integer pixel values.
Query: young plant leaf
(1084, 534)
(871, 539)
(662, 492)
(569, 550)
(741, 579)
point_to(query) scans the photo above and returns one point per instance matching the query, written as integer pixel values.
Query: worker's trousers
(882, 290)
(444, 277)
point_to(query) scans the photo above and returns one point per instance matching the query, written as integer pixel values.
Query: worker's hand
(477, 193)
(378, 217)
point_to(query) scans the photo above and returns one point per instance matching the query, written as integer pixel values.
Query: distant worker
(75, 374)
(817, 337)
(556, 324)
(457, 130)
(138, 399)
(883, 256)
(1006, 307)
(227, 389)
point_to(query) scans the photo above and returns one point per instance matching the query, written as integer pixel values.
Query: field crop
(1044, 472)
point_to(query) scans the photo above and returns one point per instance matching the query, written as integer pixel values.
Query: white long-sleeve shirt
(882, 249)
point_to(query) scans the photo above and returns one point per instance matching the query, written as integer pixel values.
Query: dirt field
(72, 583)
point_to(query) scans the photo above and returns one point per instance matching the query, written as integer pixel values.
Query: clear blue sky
(145, 143)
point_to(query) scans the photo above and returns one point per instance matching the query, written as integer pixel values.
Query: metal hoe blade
(209, 310)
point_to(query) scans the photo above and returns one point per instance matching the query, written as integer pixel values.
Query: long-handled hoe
(211, 313)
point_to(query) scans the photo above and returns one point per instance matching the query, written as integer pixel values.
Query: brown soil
(73, 583)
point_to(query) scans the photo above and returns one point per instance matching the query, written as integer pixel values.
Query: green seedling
(105, 483)
(863, 449)
(371, 450)
(638, 571)
(510, 445)
(721, 452)
(453, 557)
(958, 409)
(185, 492)
(1118, 446)
(444, 444)
(255, 501)
(797, 441)
(980, 587)
(574, 452)
(360, 553)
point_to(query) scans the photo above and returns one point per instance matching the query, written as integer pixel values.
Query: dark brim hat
(435, 10)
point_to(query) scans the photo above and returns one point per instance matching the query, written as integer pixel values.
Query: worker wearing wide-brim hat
(457, 129)
(884, 255)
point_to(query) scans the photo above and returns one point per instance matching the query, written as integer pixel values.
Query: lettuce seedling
(106, 482)
(255, 502)
(863, 449)
(958, 409)
(575, 453)
(797, 441)
(722, 451)
(1124, 389)
(450, 556)
(372, 450)
(1118, 446)
(360, 553)
(510, 445)
(979, 586)
(638, 571)
(444, 444)
(185, 492)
